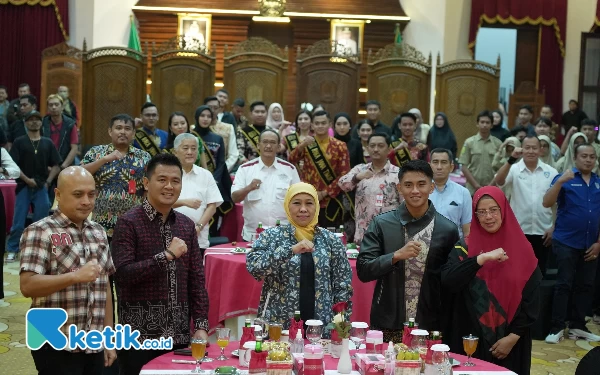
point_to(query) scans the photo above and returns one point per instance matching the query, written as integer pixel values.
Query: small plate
(235, 353)
(239, 250)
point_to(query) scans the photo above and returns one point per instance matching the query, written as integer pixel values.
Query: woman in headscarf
(504, 152)
(545, 153)
(441, 134)
(422, 131)
(342, 126)
(495, 278)
(214, 151)
(568, 160)
(300, 254)
(502, 155)
(179, 124)
(498, 129)
(275, 116)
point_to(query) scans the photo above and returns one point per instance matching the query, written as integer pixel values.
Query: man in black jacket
(404, 251)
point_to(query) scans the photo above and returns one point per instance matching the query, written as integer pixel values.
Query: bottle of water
(298, 344)
(390, 360)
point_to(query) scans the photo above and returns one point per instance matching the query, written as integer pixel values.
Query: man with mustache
(374, 184)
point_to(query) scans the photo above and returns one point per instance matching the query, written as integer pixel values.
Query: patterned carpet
(561, 359)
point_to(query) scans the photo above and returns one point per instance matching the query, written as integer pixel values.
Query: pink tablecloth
(233, 222)
(8, 191)
(164, 362)
(233, 292)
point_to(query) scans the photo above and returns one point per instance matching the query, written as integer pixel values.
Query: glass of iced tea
(470, 346)
(198, 351)
(275, 331)
(223, 341)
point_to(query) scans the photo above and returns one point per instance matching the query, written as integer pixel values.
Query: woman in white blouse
(8, 170)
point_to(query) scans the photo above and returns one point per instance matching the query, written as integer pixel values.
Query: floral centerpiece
(340, 328)
(340, 335)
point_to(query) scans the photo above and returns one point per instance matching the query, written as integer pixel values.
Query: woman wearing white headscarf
(275, 116)
(546, 154)
(568, 161)
(422, 131)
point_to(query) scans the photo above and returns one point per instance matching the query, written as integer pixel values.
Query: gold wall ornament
(271, 8)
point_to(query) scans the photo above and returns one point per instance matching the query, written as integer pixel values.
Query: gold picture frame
(349, 35)
(194, 30)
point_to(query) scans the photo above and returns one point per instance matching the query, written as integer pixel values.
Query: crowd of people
(133, 217)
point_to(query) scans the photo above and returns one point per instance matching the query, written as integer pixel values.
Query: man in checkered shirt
(65, 263)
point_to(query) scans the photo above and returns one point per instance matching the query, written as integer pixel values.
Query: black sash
(210, 160)
(402, 155)
(292, 141)
(253, 136)
(146, 143)
(327, 174)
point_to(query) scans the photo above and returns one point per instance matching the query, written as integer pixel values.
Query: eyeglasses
(494, 211)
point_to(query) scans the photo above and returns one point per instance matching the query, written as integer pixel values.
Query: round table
(233, 292)
(164, 364)
(8, 191)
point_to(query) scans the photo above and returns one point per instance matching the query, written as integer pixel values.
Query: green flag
(134, 38)
(397, 35)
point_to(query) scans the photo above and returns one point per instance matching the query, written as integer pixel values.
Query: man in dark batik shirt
(160, 276)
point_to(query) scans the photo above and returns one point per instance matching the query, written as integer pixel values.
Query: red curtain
(551, 16)
(597, 19)
(26, 31)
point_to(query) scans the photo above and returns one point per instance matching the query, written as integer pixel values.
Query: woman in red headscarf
(495, 278)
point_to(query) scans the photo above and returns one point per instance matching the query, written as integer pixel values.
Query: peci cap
(33, 114)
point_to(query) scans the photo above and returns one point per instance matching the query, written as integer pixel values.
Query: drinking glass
(470, 346)
(441, 360)
(275, 331)
(314, 331)
(222, 342)
(358, 334)
(264, 326)
(198, 351)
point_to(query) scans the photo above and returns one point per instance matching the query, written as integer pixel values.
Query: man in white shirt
(530, 178)
(262, 184)
(449, 198)
(200, 195)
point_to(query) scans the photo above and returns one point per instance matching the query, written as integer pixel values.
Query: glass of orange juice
(275, 331)
(222, 342)
(470, 346)
(198, 351)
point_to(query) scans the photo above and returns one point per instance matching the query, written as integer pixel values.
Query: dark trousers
(596, 304)
(541, 251)
(575, 278)
(131, 361)
(2, 242)
(49, 361)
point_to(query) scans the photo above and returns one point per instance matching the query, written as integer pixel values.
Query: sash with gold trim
(327, 174)
(146, 143)
(210, 160)
(402, 155)
(253, 136)
(292, 141)
(225, 207)
(168, 151)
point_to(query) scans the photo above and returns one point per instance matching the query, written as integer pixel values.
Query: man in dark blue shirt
(575, 243)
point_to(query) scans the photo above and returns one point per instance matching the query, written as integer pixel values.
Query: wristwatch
(200, 226)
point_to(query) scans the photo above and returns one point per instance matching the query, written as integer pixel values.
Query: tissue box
(279, 367)
(298, 366)
(370, 364)
(408, 367)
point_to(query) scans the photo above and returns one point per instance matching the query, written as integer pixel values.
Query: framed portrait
(349, 36)
(194, 30)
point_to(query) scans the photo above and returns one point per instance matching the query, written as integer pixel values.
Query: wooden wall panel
(304, 32)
